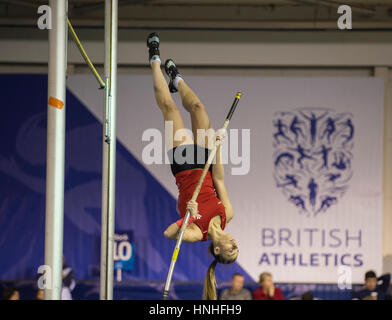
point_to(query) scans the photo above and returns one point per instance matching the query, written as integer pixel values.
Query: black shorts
(187, 157)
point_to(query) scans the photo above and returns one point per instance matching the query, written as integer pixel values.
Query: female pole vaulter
(212, 210)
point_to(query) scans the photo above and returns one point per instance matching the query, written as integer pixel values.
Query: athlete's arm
(223, 196)
(218, 176)
(218, 171)
(190, 235)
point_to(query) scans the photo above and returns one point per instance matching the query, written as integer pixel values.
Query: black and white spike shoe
(172, 71)
(153, 46)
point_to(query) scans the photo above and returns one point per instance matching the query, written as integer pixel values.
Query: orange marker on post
(54, 102)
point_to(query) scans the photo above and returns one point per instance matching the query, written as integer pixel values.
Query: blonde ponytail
(209, 291)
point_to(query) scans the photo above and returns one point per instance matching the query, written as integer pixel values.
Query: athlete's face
(228, 247)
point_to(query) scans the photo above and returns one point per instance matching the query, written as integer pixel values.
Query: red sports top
(209, 204)
(259, 294)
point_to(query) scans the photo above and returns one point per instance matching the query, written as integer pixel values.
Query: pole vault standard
(194, 197)
(109, 152)
(109, 143)
(55, 148)
(58, 41)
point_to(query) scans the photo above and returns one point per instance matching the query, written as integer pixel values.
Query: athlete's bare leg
(201, 126)
(199, 116)
(168, 107)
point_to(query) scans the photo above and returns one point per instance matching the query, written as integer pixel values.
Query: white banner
(307, 190)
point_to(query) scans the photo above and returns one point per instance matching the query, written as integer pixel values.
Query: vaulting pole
(109, 152)
(194, 197)
(55, 151)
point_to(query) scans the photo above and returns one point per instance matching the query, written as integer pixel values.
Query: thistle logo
(313, 157)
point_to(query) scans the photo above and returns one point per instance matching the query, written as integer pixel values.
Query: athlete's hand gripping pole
(195, 195)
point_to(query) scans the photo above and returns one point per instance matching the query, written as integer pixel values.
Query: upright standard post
(109, 152)
(58, 39)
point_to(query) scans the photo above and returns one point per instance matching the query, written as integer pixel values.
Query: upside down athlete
(212, 209)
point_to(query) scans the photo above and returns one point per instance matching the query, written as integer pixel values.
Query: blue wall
(142, 204)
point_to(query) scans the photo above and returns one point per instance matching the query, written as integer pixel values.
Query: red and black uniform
(187, 177)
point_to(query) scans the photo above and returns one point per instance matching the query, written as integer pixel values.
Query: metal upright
(58, 39)
(109, 152)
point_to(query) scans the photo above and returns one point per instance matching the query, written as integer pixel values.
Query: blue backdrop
(143, 206)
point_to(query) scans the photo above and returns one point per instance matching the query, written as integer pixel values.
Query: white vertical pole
(109, 152)
(383, 72)
(58, 39)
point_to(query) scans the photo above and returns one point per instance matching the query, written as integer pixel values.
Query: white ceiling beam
(19, 3)
(88, 8)
(326, 3)
(305, 54)
(229, 24)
